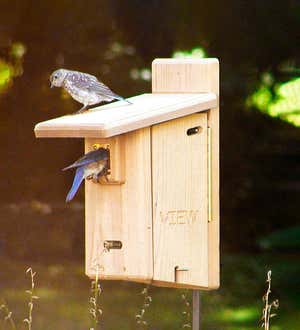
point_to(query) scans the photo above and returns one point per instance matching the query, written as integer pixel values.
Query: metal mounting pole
(196, 310)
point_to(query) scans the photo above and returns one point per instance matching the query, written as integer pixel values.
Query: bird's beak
(51, 84)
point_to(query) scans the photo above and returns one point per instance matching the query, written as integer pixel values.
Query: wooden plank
(198, 76)
(122, 212)
(119, 117)
(180, 200)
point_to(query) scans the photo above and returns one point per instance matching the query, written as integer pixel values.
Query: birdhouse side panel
(180, 202)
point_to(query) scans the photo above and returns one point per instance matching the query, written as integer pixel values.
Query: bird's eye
(55, 77)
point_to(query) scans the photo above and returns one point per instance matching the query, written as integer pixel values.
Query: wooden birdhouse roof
(120, 117)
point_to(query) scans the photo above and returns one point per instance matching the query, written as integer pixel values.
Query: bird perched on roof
(91, 166)
(83, 87)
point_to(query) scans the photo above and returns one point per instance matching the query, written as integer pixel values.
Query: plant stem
(28, 320)
(8, 316)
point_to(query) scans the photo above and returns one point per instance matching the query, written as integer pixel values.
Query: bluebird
(91, 166)
(83, 87)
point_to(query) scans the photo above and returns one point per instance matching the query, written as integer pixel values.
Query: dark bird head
(57, 77)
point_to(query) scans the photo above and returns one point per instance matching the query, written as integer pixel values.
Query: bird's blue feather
(79, 176)
(79, 163)
(89, 158)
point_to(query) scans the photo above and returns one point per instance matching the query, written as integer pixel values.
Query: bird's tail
(118, 97)
(76, 183)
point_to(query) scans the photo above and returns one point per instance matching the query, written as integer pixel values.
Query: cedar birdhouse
(157, 216)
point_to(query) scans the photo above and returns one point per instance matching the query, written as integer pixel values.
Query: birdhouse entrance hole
(115, 170)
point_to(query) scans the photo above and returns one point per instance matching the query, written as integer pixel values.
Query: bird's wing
(102, 90)
(80, 162)
(85, 81)
(90, 157)
(79, 175)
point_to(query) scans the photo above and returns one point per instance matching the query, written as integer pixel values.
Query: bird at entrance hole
(91, 166)
(84, 88)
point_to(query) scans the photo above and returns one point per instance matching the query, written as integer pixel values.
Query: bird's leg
(84, 108)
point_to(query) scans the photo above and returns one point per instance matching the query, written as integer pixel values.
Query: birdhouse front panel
(120, 211)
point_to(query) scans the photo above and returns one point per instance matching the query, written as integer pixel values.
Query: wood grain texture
(180, 199)
(116, 160)
(198, 76)
(118, 118)
(124, 213)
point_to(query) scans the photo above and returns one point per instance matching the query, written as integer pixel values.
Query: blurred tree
(260, 155)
